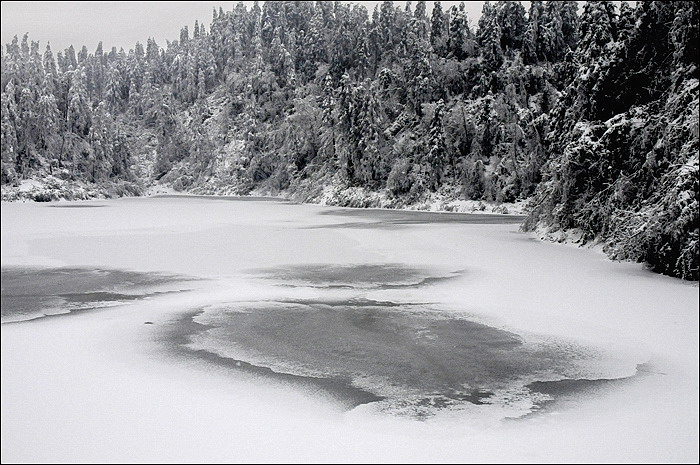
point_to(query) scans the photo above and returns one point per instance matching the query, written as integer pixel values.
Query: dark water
(567, 393)
(387, 218)
(373, 276)
(410, 357)
(397, 352)
(77, 205)
(234, 198)
(29, 293)
(177, 338)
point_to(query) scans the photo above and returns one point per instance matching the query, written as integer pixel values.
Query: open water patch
(402, 358)
(29, 293)
(231, 198)
(411, 217)
(77, 205)
(406, 358)
(353, 276)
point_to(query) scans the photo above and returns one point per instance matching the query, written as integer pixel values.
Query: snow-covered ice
(103, 386)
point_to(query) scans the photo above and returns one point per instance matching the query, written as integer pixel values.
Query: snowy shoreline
(54, 189)
(360, 199)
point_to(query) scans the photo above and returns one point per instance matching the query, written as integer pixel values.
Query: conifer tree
(436, 157)
(113, 88)
(8, 135)
(568, 10)
(532, 49)
(439, 30)
(489, 38)
(511, 20)
(79, 116)
(421, 26)
(48, 121)
(49, 62)
(460, 42)
(71, 60)
(597, 29)
(553, 46)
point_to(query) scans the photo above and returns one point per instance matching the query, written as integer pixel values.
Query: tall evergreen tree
(511, 20)
(597, 29)
(489, 38)
(460, 41)
(439, 30)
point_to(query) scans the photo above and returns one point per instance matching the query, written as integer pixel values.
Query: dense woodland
(591, 113)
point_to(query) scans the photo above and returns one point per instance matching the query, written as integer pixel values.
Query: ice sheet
(103, 386)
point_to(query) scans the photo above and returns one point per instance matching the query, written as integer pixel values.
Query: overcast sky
(122, 24)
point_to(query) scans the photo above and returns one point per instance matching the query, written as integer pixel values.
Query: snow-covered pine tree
(439, 28)
(489, 38)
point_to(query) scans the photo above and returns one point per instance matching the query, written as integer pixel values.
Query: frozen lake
(215, 330)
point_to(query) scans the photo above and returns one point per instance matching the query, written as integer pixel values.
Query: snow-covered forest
(590, 113)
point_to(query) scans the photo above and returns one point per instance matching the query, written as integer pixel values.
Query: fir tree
(489, 38)
(439, 30)
(511, 20)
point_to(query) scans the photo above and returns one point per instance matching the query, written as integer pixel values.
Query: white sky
(122, 24)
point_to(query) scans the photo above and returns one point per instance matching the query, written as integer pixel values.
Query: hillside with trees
(590, 113)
